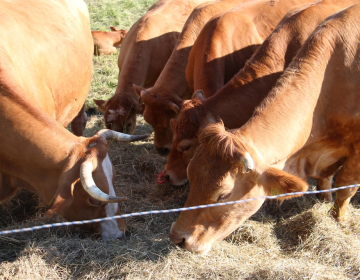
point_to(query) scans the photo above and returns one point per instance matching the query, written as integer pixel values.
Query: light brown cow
(43, 86)
(144, 53)
(307, 126)
(164, 100)
(223, 46)
(107, 42)
(235, 102)
(227, 42)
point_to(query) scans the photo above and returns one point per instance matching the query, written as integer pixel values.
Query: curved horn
(90, 186)
(118, 136)
(247, 162)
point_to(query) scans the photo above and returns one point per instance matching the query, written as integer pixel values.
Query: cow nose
(162, 151)
(166, 175)
(176, 238)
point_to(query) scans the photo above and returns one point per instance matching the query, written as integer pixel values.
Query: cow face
(86, 188)
(120, 112)
(186, 128)
(158, 112)
(120, 36)
(86, 207)
(224, 169)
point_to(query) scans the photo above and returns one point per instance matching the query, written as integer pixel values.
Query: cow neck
(171, 81)
(282, 124)
(235, 102)
(134, 69)
(243, 93)
(38, 148)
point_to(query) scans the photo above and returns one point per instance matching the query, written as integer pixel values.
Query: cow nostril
(181, 243)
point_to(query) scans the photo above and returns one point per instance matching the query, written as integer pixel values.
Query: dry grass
(297, 240)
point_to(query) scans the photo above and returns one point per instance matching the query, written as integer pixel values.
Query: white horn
(247, 162)
(90, 186)
(118, 136)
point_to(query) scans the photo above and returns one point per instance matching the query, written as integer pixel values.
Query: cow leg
(79, 122)
(348, 175)
(324, 184)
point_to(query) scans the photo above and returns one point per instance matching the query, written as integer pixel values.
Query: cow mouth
(161, 179)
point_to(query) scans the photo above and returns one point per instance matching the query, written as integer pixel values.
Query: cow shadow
(17, 210)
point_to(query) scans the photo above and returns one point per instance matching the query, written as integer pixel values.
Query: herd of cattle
(250, 97)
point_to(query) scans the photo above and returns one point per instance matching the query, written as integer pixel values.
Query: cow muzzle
(187, 241)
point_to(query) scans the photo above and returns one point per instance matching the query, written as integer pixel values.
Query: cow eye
(184, 148)
(223, 197)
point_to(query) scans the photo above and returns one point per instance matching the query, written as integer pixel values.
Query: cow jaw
(110, 229)
(198, 230)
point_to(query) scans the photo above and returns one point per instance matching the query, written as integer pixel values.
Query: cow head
(192, 118)
(86, 188)
(225, 168)
(158, 111)
(120, 112)
(121, 35)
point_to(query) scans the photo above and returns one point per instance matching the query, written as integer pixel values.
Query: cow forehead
(208, 172)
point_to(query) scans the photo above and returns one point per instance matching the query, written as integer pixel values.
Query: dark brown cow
(235, 102)
(144, 53)
(107, 42)
(163, 100)
(307, 126)
(43, 86)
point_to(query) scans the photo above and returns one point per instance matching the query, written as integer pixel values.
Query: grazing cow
(144, 53)
(43, 86)
(107, 42)
(235, 102)
(307, 126)
(222, 47)
(163, 100)
(228, 41)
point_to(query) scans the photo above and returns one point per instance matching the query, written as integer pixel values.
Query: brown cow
(144, 53)
(163, 100)
(43, 86)
(220, 50)
(307, 126)
(107, 42)
(234, 103)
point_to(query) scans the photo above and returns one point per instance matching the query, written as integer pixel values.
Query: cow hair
(161, 102)
(189, 116)
(218, 142)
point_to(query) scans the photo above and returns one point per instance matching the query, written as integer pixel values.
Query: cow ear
(173, 124)
(123, 32)
(113, 28)
(277, 182)
(174, 107)
(138, 89)
(101, 105)
(64, 194)
(199, 94)
(140, 109)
